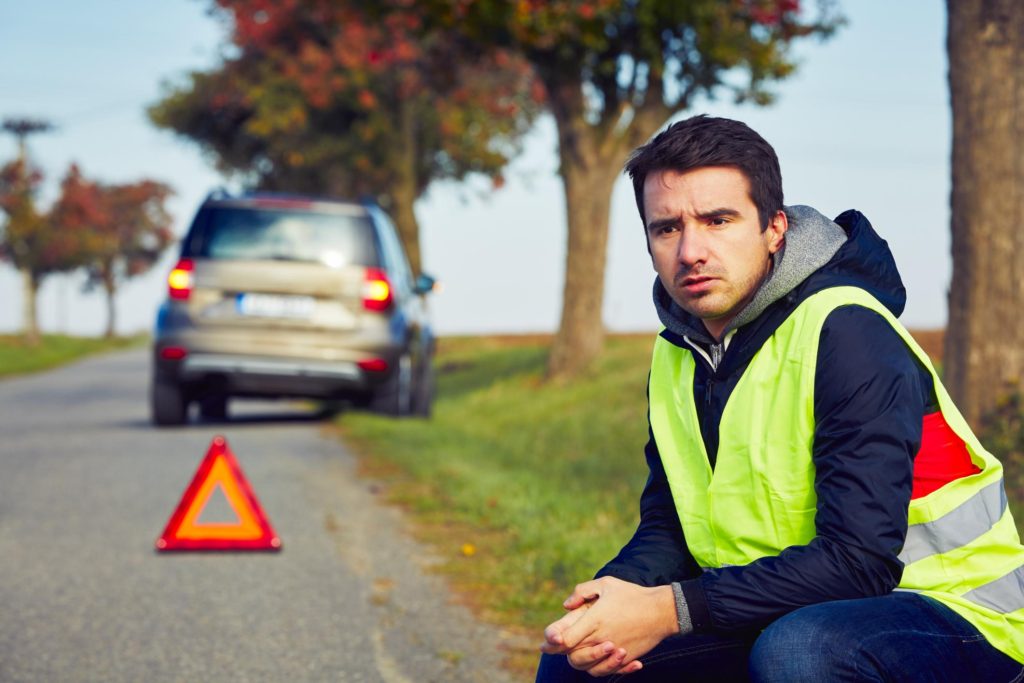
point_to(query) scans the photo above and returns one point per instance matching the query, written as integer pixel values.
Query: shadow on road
(260, 413)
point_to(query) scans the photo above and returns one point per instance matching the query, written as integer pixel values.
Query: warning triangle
(220, 477)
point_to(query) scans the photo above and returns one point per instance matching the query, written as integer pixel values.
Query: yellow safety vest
(962, 547)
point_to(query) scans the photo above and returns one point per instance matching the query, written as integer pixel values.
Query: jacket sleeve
(869, 402)
(657, 553)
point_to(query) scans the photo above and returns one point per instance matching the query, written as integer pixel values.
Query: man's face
(706, 240)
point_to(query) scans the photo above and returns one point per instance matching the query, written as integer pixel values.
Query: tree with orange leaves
(120, 230)
(29, 240)
(614, 72)
(344, 98)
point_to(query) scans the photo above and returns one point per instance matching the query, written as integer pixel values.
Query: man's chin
(698, 306)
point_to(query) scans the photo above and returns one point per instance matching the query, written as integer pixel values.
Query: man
(817, 509)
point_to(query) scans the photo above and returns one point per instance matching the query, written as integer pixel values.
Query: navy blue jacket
(870, 397)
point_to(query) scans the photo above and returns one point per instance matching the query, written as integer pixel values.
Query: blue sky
(864, 124)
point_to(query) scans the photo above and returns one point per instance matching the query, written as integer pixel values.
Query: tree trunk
(29, 319)
(591, 160)
(580, 336)
(984, 354)
(407, 226)
(111, 290)
(406, 189)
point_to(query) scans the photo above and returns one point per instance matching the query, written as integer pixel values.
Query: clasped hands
(610, 624)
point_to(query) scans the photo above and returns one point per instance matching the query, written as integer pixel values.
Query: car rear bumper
(267, 376)
(197, 366)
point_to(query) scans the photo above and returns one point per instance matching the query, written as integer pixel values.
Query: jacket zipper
(717, 351)
(713, 356)
(708, 388)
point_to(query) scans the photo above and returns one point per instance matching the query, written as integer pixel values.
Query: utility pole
(21, 128)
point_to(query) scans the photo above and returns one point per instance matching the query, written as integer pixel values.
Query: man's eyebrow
(662, 223)
(710, 214)
(723, 212)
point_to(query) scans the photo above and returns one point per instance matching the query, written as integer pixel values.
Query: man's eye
(718, 221)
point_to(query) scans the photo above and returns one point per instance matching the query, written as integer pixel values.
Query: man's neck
(716, 328)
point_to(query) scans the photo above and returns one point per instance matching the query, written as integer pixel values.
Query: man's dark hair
(702, 141)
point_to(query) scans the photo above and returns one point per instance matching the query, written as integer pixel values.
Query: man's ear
(775, 233)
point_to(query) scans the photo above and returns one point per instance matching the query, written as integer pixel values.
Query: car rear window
(237, 233)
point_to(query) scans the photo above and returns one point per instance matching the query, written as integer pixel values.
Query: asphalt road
(86, 487)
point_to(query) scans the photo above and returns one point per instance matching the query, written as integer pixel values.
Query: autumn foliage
(614, 72)
(349, 98)
(114, 232)
(345, 98)
(120, 229)
(30, 241)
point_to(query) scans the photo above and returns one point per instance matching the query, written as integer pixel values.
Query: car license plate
(275, 306)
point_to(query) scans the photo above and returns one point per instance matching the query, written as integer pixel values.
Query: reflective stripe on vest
(961, 526)
(1003, 595)
(962, 546)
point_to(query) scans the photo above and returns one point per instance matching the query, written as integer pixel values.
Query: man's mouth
(696, 283)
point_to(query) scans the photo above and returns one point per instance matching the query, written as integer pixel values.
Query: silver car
(287, 296)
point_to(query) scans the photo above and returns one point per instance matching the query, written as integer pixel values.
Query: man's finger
(599, 660)
(632, 667)
(583, 593)
(584, 658)
(613, 665)
(555, 633)
(579, 628)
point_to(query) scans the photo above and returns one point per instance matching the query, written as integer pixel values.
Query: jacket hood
(864, 261)
(811, 241)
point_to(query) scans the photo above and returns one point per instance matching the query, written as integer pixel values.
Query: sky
(864, 123)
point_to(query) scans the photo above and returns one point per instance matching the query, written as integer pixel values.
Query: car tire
(214, 407)
(394, 397)
(168, 404)
(423, 396)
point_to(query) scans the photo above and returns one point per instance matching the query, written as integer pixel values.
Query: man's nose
(692, 247)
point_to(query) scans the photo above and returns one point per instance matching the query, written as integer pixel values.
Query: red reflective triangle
(219, 470)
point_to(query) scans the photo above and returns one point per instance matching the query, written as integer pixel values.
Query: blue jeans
(898, 637)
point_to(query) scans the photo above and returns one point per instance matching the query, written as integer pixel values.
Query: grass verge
(524, 487)
(18, 356)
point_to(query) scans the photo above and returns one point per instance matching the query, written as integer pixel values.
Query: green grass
(1002, 433)
(18, 356)
(526, 487)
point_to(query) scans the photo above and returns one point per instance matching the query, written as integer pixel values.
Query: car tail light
(376, 290)
(173, 353)
(179, 281)
(373, 364)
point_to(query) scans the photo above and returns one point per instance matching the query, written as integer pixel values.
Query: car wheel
(394, 397)
(214, 407)
(423, 397)
(168, 404)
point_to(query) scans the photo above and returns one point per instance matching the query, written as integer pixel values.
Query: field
(525, 487)
(18, 356)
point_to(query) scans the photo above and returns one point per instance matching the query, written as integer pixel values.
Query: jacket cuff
(620, 573)
(696, 604)
(682, 611)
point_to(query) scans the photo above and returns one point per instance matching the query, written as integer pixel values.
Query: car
(291, 296)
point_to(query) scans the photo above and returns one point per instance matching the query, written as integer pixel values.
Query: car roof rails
(217, 193)
(368, 201)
